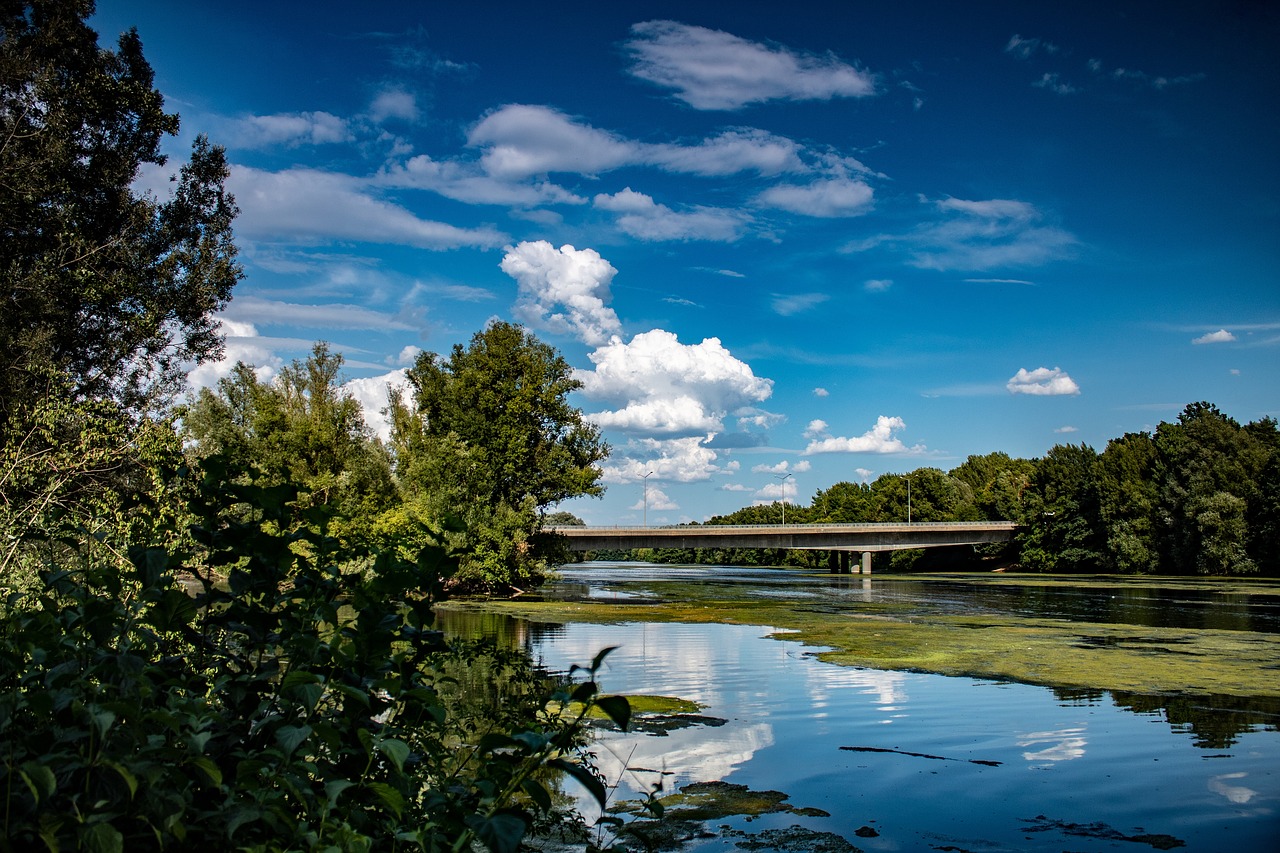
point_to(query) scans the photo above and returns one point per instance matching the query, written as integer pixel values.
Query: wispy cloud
(796, 303)
(311, 205)
(714, 70)
(985, 234)
(1025, 48)
(639, 216)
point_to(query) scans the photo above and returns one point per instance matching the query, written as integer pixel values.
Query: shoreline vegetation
(1056, 653)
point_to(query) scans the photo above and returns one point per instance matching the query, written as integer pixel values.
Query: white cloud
(662, 387)
(1025, 48)
(311, 205)
(288, 129)
(680, 460)
(242, 343)
(372, 394)
(864, 474)
(776, 492)
(658, 500)
(408, 355)
(1221, 336)
(1042, 382)
(877, 285)
(714, 70)
(1053, 82)
(879, 439)
(817, 428)
(830, 198)
(783, 467)
(563, 290)
(735, 487)
(1067, 429)
(794, 303)
(394, 103)
(821, 392)
(641, 217)
(522, 140)
(332, 316)
(469, 183)
(981, 235)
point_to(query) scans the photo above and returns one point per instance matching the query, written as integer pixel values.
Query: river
(897, 760)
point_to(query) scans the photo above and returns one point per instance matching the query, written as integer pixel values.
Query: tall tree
(490, 434)
(302, 429)
(1064, 528)
(106, 285)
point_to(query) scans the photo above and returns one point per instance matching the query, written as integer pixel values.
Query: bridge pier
(866, 562)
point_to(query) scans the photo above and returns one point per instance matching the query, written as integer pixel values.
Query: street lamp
(907, 477)
(646, 497)
(783, 478)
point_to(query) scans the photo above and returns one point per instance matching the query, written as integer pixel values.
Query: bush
(259, 693)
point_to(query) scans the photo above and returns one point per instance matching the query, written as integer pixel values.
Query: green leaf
(210, 769)
(334, 789)
(289, 737)
(396, 750)
(538, 793)
(618, 709)
(599, 658)
(583, 692)
(126, 775)
(390, 797)
(593, 785)
(39, 779)
(102, 838)
(502, 833)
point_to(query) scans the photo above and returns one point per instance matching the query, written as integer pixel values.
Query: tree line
(1197, 496)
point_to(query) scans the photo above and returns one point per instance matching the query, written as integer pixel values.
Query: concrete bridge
(840, 539)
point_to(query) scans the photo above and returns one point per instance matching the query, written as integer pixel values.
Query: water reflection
(936, 762)
(1064, 745)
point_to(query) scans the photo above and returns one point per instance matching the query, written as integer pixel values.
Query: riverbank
(858, 627)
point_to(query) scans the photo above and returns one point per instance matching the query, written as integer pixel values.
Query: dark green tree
(1211, 473)
(1127, 498)
(113, 288)
(490, 434)
(302, 429)
(998, 482)
(1061, 511)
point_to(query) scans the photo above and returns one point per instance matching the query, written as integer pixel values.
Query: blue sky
(825, 240)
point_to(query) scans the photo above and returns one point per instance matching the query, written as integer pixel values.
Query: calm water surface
(1059, 771)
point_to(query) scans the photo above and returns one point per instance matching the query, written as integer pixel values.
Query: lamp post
(783, 478)
(646, 497)
(907, 477)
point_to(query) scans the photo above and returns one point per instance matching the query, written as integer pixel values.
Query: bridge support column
(866, 562)
(833, 562)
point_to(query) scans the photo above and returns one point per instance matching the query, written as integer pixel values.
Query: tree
(302, 429)
(113, 288)
(491, 435)
(1063, 525)
(998, 482)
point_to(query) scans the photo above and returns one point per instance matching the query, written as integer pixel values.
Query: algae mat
(914, 636)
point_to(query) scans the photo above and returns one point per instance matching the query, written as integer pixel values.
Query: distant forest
(1200, 496)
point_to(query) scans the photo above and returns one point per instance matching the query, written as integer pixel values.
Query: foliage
(302, 428)
(490, 433)
(83, 463)
(110, 287)
(294, 706)
(1199, 496)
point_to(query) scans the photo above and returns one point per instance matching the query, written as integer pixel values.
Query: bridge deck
(835, 537)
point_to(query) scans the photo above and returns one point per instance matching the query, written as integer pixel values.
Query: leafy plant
(267, 691)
